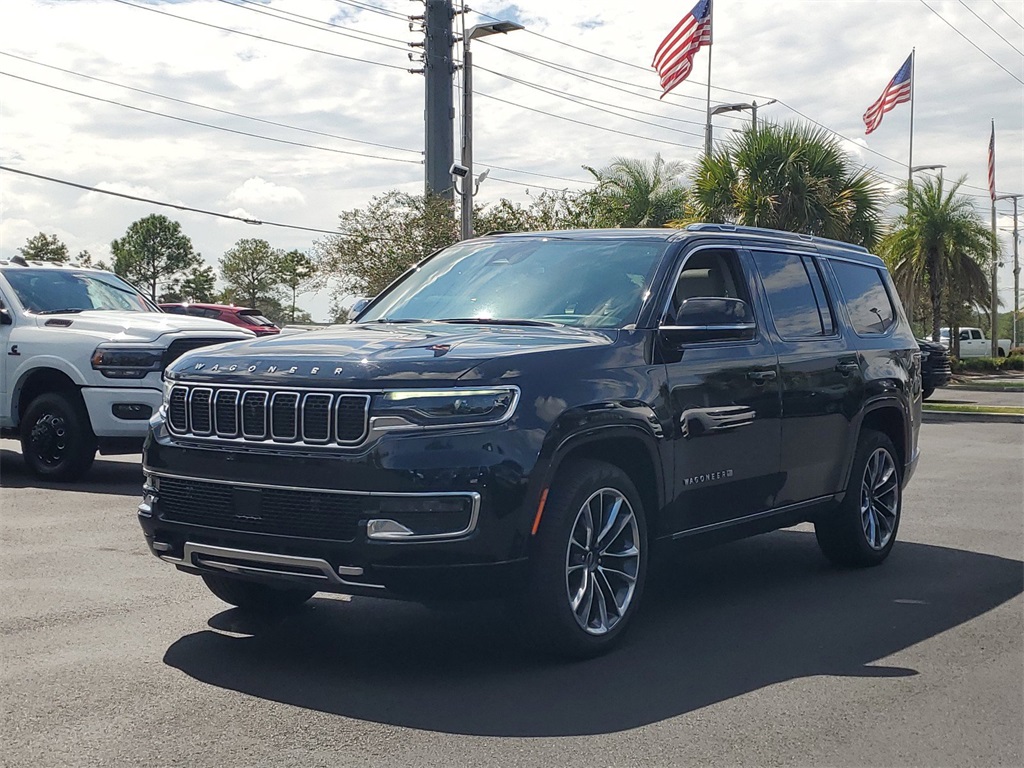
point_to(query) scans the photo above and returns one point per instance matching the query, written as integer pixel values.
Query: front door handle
(847, 367)
(760, 377)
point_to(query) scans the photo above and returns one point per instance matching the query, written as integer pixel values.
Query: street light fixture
(469, 184)
(738, 107)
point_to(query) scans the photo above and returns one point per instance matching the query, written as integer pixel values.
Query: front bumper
(458, 508)
(121, 411)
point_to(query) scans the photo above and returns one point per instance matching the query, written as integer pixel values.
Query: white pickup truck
(82, 355)
(974, 344)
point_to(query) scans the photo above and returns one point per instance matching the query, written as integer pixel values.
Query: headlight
(117, 362)
(446, 407)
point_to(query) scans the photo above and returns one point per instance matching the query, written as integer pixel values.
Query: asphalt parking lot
(756, 653)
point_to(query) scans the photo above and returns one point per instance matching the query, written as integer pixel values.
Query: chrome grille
(258, 415)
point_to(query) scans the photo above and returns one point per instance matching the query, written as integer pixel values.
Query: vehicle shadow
(715, 625)
(118, 478)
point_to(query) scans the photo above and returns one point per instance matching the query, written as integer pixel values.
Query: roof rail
(777, 233)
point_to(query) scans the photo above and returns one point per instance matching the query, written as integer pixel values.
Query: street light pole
(469, 184)
(1016, 267)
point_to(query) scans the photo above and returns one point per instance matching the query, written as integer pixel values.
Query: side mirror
(358, 306)
(5, 316)
(711, 319)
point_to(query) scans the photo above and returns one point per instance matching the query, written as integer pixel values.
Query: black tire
(861, 532)
(1001, 351)
(558, 567)
(57, 441)
(252, 597)
(928, 392)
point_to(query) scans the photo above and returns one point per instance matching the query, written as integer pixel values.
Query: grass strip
(970, 408)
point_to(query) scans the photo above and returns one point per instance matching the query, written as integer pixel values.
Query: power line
(581, 122)
(372, 9)
(1008, 15)
(965, 37)
(212, 109)
(210, 125)
(525, 184)
(260, 37)
(581, 99)
(993, 29)
(335, 29)
(172, 205)
(534, 173)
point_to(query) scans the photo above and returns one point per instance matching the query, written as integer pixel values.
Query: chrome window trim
(731, 327)
(295, 416)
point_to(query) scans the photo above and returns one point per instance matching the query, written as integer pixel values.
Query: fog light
(408, 518)
(131, 411)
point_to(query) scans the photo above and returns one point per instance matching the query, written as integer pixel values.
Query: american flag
(674, 58)
(992, 163)
(896, 92)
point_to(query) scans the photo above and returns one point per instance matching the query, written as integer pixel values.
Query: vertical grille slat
(351, 418)
(257, 415)
(284, 416)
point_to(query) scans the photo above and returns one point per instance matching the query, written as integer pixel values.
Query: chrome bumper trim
(244, 562)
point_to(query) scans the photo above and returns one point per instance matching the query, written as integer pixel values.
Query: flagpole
(994, 330)
(910, 161)
(707, 128)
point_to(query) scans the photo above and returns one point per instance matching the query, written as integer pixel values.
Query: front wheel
(589, 563)
(862, 530)
(57, 441)
(253, 597)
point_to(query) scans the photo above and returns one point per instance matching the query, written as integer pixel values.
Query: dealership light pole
(465, 172)
(1016, 268)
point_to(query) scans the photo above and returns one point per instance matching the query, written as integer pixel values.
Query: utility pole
(1016, 267)
(439, 112)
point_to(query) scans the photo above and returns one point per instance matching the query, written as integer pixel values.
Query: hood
(931, 346)
(140, 327)
(361, 354)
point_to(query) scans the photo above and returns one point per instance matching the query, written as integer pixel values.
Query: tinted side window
(707, 274)
(867, 301)
(792, 298)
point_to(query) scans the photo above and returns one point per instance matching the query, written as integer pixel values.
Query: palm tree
(940, 243)
(637, 193)
(790, 177)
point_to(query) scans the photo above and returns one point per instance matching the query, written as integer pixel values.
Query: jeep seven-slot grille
(247, 414)
(275, 511)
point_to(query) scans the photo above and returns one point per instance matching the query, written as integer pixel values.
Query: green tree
(153, 254)
(379, 242)
(250, 269)
(551, 209)
(43, 247)
(199, 286)
(296, 270)
(790, 177)
(638, 193)
(939, 245)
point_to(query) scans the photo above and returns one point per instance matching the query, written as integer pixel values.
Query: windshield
(53, 291)
(587, 283)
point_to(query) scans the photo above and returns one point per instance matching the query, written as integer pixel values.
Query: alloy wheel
(49, 439)
(879, 499)
(602, 561)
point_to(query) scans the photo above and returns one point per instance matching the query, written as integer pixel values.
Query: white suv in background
(82, 355)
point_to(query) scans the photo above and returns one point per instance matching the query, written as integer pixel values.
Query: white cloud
(259, 192)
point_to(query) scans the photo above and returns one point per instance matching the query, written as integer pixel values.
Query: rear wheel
(588, 567)
(57, 441)
(256, 598)
(862, 531)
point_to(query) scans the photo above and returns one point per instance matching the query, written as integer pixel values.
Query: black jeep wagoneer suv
(529, 414)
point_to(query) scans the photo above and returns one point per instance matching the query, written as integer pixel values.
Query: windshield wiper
(500, 321)
(396, 320)
(58, 311)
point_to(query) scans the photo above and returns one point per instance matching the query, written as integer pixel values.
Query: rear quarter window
(867, 300)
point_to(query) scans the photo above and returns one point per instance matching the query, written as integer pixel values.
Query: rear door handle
(760, 377)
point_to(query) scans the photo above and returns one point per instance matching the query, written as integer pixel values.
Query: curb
(970, 388)
(971, 416)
